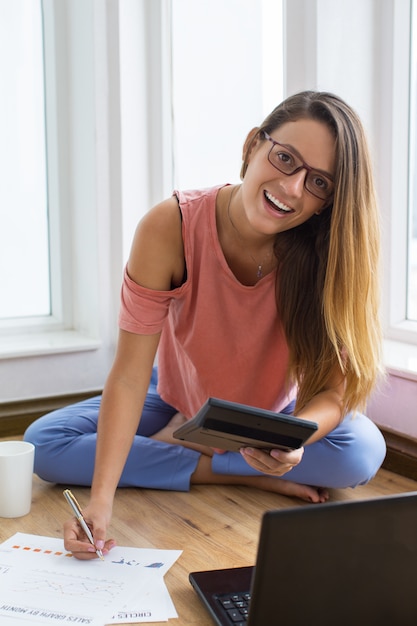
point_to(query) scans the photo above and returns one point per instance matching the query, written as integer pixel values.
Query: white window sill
(400, 359)
(53, 342)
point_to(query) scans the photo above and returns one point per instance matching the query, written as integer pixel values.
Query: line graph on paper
(67, 586)
(41, 581)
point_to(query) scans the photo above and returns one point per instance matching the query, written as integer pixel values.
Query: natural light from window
(412, 241)
(24, 258)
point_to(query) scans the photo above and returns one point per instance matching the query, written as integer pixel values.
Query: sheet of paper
(152, 605)
(41, 583)
(151, 602)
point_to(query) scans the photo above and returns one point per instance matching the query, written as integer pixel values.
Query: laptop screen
(338, 563)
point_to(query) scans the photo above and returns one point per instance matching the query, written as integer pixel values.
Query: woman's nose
(294, 183)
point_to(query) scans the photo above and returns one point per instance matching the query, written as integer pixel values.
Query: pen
(78, 514)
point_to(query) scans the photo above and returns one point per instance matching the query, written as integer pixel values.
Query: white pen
(78, 514)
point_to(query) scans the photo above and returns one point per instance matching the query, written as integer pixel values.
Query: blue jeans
(65, 442)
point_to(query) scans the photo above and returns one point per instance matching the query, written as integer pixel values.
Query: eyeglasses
(316, 182)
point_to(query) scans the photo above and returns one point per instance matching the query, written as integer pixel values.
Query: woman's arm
(325, 408)
(156, 262)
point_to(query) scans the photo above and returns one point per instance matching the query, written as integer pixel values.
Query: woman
(263, 293)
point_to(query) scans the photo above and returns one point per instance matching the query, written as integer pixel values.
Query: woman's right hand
(75, 540)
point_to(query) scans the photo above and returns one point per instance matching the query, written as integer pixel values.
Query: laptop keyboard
(236, 607)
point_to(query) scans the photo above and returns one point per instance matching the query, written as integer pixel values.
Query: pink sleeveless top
(219, 338)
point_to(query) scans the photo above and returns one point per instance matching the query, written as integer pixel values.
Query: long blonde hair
(328, 267)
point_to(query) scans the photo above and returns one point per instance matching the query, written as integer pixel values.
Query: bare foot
(291, 489)
(204, 475)
(166, 435)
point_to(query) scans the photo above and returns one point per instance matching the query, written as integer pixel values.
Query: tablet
(231, 426)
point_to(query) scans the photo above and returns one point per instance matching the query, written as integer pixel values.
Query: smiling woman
(296, 337)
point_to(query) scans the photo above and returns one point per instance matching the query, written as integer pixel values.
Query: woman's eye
(320, 183)
(284, 158)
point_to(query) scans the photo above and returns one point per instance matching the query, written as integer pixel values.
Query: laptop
(342, 563)
(230, 426)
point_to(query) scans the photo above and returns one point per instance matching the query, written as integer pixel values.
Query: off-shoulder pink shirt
(219, 338)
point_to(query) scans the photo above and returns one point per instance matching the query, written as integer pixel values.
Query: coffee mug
(16, 474)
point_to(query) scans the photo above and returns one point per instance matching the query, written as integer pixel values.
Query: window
(71, 348)
(24, 258)
(412, 231)
(396, 156)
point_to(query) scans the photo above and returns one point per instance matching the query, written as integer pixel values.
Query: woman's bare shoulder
(156, 259)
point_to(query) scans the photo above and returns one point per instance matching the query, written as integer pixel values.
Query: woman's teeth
(277, 203)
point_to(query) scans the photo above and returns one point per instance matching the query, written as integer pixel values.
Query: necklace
(259, 272)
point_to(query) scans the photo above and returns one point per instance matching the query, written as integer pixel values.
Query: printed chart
(40, 581)
(50, 585)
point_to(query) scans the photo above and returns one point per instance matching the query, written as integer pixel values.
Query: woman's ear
(327, 205)
(248, 146)
(249, 143)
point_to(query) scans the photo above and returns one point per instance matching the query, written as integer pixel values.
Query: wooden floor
(214, 526)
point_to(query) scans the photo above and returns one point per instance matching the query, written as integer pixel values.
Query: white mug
(16, 474)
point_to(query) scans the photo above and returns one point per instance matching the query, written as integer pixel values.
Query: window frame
(400, 334)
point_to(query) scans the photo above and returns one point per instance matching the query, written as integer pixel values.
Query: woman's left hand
(276, 462)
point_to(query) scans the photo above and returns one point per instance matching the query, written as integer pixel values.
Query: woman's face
(273, 201)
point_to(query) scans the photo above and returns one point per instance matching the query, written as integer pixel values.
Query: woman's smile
(276, 205)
